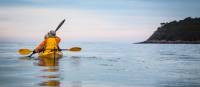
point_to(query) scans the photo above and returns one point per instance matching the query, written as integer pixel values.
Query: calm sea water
(104, 65)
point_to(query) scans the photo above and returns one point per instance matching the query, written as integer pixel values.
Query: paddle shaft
(61, 23)
(31, 54)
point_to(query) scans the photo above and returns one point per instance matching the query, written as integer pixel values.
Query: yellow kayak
(51, 55)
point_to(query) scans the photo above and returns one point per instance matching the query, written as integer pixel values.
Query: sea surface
(103, 64)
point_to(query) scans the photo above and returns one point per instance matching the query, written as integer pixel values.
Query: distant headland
(185, 31)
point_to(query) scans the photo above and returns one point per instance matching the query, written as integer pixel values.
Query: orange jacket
(41, 46)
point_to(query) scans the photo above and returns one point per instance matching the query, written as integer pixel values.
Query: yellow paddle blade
(75, 49)
(24, 51)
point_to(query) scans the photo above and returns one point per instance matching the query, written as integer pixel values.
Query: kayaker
(50, 43)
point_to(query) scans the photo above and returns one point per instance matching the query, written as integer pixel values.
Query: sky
(90, 20)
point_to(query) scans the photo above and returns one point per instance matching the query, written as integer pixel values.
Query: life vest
(51, 45)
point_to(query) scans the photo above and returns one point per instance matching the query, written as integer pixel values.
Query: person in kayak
(50, 43)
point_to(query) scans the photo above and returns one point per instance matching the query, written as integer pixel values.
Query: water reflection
(50, 83)
(50, 72)
(51, 65)
(48, 62)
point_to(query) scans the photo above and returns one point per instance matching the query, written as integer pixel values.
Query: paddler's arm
(38, 48)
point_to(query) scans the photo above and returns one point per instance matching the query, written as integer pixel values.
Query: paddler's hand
(34, 52)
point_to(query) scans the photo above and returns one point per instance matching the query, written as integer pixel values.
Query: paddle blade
(24, 51)
(75, 49)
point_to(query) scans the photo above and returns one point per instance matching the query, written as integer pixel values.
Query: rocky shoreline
(169, 42)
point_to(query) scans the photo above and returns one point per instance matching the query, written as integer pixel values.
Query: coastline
(186, 31)
(168, 42)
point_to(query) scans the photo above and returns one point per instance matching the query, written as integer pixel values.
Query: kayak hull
(51, 55)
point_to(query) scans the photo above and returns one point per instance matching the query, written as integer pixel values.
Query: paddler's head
(52, 33)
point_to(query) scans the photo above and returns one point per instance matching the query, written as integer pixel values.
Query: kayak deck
(51, 55)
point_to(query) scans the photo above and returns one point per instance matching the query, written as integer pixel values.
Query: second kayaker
(51, 42)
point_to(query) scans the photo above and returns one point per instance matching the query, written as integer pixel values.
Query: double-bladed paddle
(28, 51)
